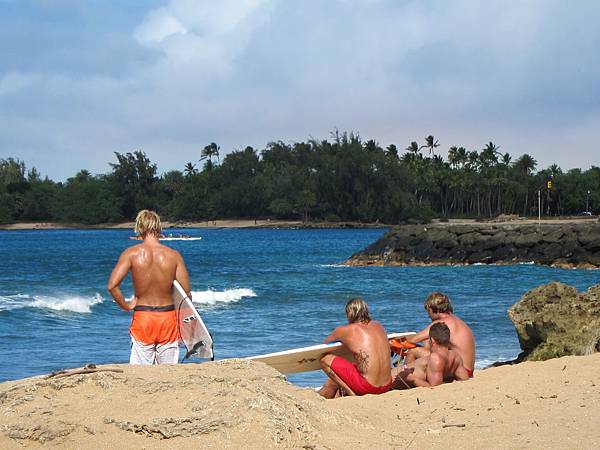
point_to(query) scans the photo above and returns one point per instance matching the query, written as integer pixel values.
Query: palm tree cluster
(344, 178)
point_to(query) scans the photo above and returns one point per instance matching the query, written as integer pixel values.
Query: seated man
(462, 341)
(441, 365)
(367, 341)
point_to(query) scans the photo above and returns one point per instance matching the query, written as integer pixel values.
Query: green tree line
(344, 178)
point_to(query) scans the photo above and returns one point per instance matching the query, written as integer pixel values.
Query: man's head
(438, 303)
(440, 333)
(357, 311)
(147, 222)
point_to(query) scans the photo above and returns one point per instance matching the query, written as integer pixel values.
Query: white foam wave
(485, 363)
(211, 297)
(73, 303)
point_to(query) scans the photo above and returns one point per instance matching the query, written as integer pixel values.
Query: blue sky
(81, 79)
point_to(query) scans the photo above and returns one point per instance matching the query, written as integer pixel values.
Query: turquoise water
(258, 290)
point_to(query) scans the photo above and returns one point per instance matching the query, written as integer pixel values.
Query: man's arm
(336, 335)
(116, 277)
(460, 373)
(420, 336)
(182, 275)
(435, 370)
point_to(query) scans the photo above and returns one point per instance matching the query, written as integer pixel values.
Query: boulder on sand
(556, 320)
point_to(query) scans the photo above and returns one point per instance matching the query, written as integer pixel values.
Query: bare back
(461, 339)
(369, 344)
(441, 366)
(153, 268)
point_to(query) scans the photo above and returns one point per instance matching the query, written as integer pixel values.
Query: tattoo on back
(362, 361)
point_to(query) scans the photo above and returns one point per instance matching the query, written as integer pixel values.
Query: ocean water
(258, 290)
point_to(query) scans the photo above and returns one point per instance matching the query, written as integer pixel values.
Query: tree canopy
(344, 178)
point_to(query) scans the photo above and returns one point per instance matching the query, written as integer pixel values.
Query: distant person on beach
(441, 365)
(154, 267)
(439, 308)
(367, 341)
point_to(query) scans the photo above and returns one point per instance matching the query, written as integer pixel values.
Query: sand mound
(231, 403)
(244, 404)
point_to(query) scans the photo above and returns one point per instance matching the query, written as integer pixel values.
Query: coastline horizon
(276, 223)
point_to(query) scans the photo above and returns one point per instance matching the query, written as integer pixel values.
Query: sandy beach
(268, 223)
(241, 404)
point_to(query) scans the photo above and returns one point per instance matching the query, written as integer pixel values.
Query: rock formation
(562, 245)
(556, 320)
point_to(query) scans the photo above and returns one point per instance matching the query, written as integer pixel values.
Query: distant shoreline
(271, 223)
(233, 223)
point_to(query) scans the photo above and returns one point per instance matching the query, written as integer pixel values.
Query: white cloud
(14, 82)
(202, 36)
(158, 25)
(244, 72)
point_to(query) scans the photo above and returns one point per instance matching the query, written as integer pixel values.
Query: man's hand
(132, 303)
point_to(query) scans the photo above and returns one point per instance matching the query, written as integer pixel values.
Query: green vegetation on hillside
(344, 178)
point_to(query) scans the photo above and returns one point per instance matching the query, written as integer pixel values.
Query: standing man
(154, 267)
(439, 308)
(442, 365)
(368, 342)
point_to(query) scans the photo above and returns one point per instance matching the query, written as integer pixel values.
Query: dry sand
(243, 404)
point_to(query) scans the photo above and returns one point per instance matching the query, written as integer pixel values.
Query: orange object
(401, 346)
(153, 328)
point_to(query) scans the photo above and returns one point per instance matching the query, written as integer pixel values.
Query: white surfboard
(192, 331)
(306, 359)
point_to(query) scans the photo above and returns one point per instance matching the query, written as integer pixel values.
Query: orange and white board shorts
(154, 335)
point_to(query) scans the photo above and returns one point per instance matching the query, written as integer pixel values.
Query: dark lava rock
(556, 320)
(562, 245)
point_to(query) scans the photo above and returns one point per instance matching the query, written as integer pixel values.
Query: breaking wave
(72, 303)
(211, 297)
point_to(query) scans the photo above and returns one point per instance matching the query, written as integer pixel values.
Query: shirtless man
(462, 341)
(154, 331)
(367, 341)
(441, 365)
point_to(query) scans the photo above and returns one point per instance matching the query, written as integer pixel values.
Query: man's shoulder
(450, 319)
(129, 251)
(436, 360)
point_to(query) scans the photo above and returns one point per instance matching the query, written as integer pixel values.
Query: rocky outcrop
(556, 320)
(562, 245)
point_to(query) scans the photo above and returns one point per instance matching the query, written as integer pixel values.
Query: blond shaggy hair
(438, 303)
(357, 311)
(147, 222)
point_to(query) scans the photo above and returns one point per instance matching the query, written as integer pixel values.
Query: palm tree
(190, 170)
(462, 156)
(524, 166)
(413, 148)
(391, 151)
(431, 144)
(453, 156)
(489, 155)
(209, 151)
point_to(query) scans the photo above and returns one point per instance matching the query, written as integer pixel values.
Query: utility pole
(539, 208)
(549, 187)
(587, 201)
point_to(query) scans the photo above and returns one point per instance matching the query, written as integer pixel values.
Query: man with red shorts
(441, 365)
(439, 309)
(367, 341)
(154, 267)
